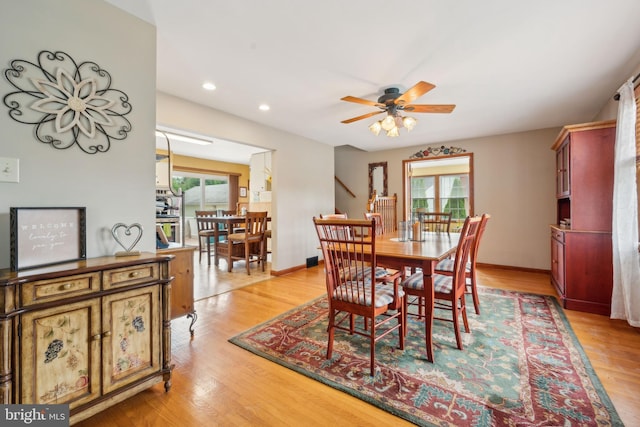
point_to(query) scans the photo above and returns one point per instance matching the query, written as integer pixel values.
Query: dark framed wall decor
(46, 236)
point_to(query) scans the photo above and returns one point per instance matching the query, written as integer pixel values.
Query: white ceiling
(508, 65)
(218, 149)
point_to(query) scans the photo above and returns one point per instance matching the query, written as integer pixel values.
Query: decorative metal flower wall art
(69, 103)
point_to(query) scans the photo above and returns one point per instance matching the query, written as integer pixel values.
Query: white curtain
(625, 302)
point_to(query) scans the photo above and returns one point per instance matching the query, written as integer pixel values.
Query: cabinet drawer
(558, 235)
(55, 289)
(130, 275)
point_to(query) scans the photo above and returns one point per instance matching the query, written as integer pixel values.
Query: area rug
(521, 365)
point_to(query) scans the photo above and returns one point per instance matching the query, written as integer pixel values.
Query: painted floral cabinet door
(61, 354)
(131, 336)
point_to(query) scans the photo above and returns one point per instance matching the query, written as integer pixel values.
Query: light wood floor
(214, 280)
(216, 383)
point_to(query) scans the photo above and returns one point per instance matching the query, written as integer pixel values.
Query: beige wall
(302, 173)
(116, 186)
(514, 179)
(119, 186)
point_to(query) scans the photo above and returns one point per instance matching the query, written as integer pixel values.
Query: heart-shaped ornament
(120, 230)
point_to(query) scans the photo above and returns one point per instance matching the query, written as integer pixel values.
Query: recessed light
(264, 107)
(209, 86)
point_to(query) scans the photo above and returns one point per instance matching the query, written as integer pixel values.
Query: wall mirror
(378, 179)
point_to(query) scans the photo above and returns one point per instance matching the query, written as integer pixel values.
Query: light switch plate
(9, 170)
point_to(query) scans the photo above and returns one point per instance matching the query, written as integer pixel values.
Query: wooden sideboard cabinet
(181, 268)
(88, 333)
(581, 253)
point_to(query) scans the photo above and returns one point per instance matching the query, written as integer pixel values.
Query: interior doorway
(439, 184)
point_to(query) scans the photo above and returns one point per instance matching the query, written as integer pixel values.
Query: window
(442, 193)
(423, 193)
(454, 195)
(440, 184)
(202, 192)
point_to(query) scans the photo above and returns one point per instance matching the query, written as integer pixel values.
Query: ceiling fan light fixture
(375, 128)
(388, 123)
(409, 123)
(393, 103)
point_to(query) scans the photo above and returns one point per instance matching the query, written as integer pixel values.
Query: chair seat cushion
(241, 237)
(359, 292)
(447, 265)
(442, 284)
(353, 274)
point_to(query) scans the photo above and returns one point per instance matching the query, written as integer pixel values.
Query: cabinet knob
(107, 334)
(95, 337)
(65, 286)
(134, 274)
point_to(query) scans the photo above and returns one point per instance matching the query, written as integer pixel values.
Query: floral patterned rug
(521, 365)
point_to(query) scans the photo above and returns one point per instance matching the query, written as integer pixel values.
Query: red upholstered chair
(352, 288)
(449, 290)
(446, 266)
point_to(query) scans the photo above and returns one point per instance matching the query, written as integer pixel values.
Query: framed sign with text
(46, 236)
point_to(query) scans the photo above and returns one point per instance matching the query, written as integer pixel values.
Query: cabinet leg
(193, 316)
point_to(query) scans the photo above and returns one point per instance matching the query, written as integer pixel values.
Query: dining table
(391, 252)
(228, 221)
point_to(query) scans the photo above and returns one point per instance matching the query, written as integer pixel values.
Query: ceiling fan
(392, 102)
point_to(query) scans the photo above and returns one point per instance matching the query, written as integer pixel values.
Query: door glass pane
(454, 197)
(202, 192)
(423, 193)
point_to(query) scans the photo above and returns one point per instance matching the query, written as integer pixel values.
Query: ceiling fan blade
(364, 116)
(429, 108)
(414, 93)
(362, 101)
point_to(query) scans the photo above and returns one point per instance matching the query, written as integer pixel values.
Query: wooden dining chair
(382, 273)
(247, 245)
(334, 216)
(386, 206)
(446, 265)
(239, 207)
(237, 228)
(449, 290)
(377, 217)
(439, 222)
(206, 231)
(352, 288)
